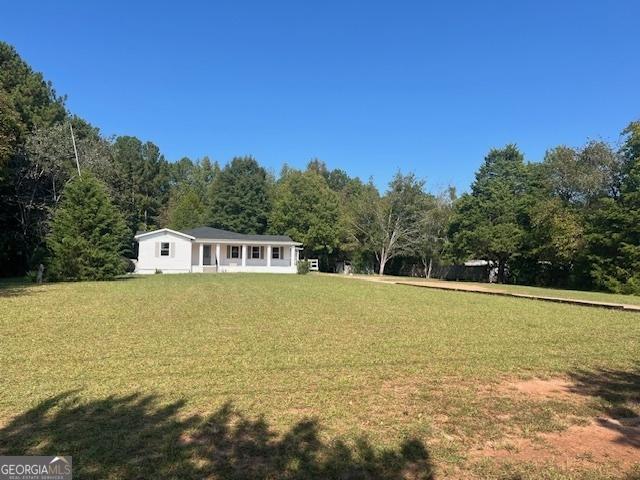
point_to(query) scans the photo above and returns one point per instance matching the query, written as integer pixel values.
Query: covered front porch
(235, 256)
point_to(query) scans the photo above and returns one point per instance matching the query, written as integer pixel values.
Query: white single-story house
(206, 249)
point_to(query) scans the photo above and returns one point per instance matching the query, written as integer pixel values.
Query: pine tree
(88, 234)
(240, 197)
(487, 224)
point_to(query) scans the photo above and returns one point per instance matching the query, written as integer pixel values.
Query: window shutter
(261, 253)
(157, 249)
(172, 249)
(228, 251)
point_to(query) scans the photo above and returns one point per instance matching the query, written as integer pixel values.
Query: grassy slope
(382, 360)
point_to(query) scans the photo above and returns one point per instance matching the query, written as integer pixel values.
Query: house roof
(182, 234)
(209, 233)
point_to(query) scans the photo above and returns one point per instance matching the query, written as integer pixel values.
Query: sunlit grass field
(377, 362)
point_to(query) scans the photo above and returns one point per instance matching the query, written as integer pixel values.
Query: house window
(255, 252)
(235, 251)
(164, 249)
(275, 253)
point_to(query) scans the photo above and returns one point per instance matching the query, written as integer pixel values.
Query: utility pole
(75, 150)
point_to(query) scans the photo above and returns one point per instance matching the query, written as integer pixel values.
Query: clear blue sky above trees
(368, 87)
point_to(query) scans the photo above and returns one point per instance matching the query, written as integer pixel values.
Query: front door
(206, 254)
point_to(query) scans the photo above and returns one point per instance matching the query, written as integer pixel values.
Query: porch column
(201, 262)
(268, 255)
(244, 255)
(293, 256)
(217, 254)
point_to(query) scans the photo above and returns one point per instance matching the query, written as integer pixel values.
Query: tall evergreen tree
(240, 197)
(27, 103)
(142, 180)
(30, 95)
(488, 223)
(88, 234)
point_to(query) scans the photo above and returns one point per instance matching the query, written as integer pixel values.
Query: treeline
(572, 220)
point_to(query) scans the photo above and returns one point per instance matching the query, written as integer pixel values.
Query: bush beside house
(88, 234)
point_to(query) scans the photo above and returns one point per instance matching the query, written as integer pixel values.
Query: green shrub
(88, 234)
(303, 267)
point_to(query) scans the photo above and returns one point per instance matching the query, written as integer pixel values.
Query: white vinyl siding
(164, 251)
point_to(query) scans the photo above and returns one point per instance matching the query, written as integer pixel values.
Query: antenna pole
(75, 150)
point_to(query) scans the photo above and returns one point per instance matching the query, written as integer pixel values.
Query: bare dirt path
(472, 288)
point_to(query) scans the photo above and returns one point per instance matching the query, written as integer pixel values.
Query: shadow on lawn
(13, 287)
(136, 437)
(618, 393)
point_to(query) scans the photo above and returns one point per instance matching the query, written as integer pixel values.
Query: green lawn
(268, 376)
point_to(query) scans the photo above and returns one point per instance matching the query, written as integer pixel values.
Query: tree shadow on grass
(12, 287)
(137, 437)
(618, 395)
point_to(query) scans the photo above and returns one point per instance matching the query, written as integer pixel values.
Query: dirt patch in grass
(554, 387)
(603, 441)
(606, 439)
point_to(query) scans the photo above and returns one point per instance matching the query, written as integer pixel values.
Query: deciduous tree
(613, 234)
(187, 209)
(389, 225)
(307, 210)
(432, 240)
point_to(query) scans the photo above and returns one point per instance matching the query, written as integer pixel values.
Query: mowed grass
(378, 362)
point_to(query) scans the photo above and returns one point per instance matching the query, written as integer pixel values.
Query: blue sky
(370, 87)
